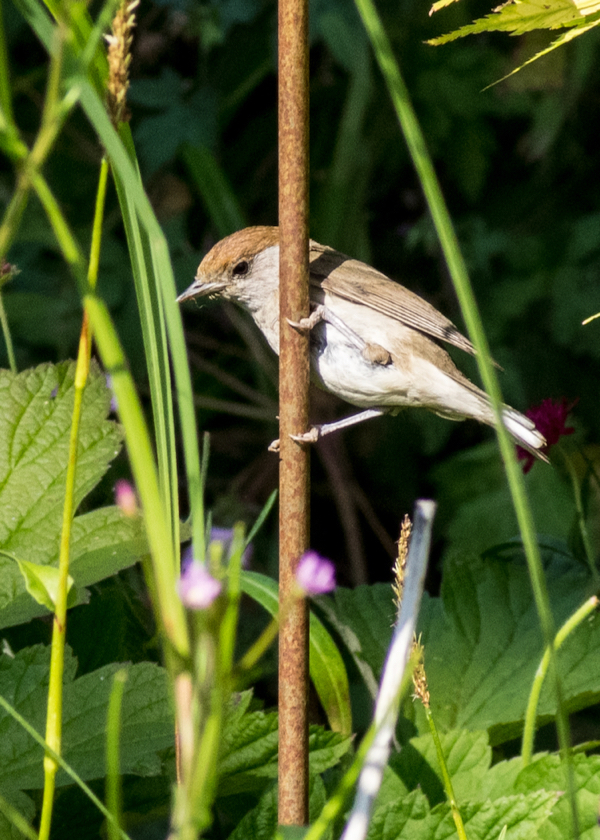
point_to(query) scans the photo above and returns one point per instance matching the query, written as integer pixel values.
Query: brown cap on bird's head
(236, 250)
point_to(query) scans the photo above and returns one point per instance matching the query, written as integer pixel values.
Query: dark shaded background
(519, 168)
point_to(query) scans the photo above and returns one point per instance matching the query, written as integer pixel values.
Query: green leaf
(567, 36)
(518, 17)
(411, 819)
(468, 756)
(103, 542)
(482, 640)
(327, 669)
(42, 583)
(548, 772)
(483, 643)
(35, 424)
(250, 744)
(261, 822)
(472, 491)
(146, 726)
(364, 618)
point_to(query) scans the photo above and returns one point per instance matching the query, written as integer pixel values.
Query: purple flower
(550, 419)
(196, 587)
(315, 574)
(125, 498)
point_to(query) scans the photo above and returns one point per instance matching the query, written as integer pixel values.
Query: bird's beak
(200, 288)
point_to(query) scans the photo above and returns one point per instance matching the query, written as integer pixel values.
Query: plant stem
(532, 704)
(59, 627)
(456, 816)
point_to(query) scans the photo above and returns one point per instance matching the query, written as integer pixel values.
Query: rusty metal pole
(293, 405)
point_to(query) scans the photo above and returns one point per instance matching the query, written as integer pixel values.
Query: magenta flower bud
(315, 574)
(125, 498)
(196, 587)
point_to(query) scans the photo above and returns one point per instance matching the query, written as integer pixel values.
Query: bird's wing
(350, 279)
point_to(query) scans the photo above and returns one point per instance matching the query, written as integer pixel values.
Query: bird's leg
(318, 431)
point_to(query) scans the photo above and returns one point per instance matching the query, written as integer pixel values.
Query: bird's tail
(524, 432)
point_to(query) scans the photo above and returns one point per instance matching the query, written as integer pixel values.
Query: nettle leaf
(483, 644)
(250, 743)
(146, 719)
(482, 640)
(261, 822)
(468, 757)
(489, 798)
(411, 818)
(35, 424)
(548, 772)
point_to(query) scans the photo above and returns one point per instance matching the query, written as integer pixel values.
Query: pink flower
(315, 574)
(550, 418)
(196, 587)
(125, 498)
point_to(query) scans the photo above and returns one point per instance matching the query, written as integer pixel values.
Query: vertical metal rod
(293, 405)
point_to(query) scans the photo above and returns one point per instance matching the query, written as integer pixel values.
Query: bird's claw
(305, 324)
(311, 436)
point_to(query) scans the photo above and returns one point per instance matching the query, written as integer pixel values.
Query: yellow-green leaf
(42, 582)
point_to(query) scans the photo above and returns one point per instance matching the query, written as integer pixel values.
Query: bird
(373, 342)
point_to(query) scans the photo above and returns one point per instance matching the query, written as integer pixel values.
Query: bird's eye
(241, 268)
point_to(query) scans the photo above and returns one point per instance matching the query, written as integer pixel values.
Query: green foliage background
(518, 168)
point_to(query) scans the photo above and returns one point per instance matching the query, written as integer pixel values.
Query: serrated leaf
(467, 755)
(35, 423)
(103, 542)
(411, 819)
(572, 33)
(147, 721)
(518, 17)
(261, 822)
(549, 772)
(483, 645)
(482, 640)
(389, 820)
(250, 744)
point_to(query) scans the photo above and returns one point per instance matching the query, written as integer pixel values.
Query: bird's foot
(305, 324)
(311, 436)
